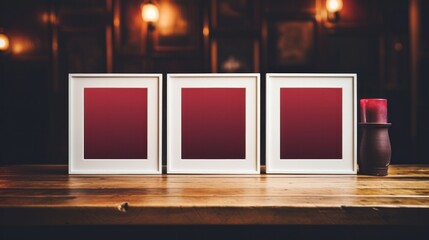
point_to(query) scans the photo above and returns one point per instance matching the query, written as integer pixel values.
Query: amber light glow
(4, 42)
(150, 12)
(18, 48)
(206, 31)
(48, 18)
(334, 5)
(21, 45)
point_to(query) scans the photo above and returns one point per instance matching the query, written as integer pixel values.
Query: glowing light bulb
(334, 5)
(150, 12)
(4, 42)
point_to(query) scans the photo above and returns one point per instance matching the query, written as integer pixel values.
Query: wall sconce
(150, 13)
(4, 42)
(333, 8)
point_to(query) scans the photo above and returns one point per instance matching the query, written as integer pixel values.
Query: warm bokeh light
(17, 48)
(334, 5)
(150, 12)
(47, 17)
(4, 42)
(21, 45)
(116, 21)
(173, 20)
(206, 31)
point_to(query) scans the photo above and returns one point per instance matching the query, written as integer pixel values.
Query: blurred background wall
(386, 42)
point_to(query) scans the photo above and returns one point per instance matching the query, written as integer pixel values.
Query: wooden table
(47, 195)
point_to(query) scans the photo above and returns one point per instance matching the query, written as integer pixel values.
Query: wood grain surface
(47, 195)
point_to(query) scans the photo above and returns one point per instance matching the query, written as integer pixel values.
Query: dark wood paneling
(25, 78)
(423, 83)
(290, 6)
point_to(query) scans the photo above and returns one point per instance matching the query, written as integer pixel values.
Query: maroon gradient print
(115, 123)
(311, 123)
(213, 123)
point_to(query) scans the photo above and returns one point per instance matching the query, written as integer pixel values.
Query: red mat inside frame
(115, 123)
(311, 123)
(213, 123)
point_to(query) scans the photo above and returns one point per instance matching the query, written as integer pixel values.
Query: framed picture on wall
(235, 55)
(311, 123)
(233, 15)
(213, 123)
(178, 28)
(115, 123)
(290, 43)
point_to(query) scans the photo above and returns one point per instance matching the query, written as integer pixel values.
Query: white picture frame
(184, 157)
(115, 145)
(335, 155)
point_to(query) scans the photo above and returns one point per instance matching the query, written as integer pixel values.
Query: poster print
(115, 123)
(219, 113)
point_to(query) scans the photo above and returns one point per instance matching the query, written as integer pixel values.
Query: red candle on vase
(373, 110)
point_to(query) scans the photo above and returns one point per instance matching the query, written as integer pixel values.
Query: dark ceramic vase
(375, 150)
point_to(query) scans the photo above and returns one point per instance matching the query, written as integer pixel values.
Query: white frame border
(77, 164)
(250, 165)
(311, 166)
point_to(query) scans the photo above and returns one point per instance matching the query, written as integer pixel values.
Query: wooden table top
(47, 195)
